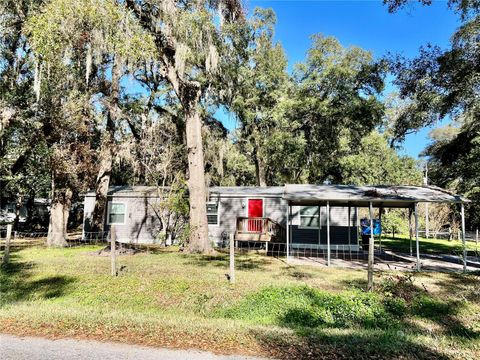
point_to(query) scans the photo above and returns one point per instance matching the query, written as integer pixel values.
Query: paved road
(29, 348)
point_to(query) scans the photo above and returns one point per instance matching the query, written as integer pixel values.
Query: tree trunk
(259, 168)
(102, 184)
(198, 239)
(106, 152)
(18, 208)
(59, 211)
(67, 205)
(30, 210)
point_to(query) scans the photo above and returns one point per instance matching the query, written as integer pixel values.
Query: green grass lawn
(177, 300)
(401, 243)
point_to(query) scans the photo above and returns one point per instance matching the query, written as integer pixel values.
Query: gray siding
(276, 209)
(230, 208)
(228, 211)
(141, 224)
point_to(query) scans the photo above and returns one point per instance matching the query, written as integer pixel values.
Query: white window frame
(109, 207)
(218, 212)
(319, 216)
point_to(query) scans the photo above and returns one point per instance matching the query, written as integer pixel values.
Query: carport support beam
(349, 224)
(370, 251)
(463, 239)
(328, 233)
(416, 237)
(410, 229)
(380, 235)
(288, 232)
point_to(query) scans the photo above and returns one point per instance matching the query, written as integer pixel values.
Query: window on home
(309, 217)
(116, 213)
(212, 213)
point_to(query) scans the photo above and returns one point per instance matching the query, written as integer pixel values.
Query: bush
(308, 307)
(396, 306)
(399, 286)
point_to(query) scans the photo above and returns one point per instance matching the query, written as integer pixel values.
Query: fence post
(371, 245)
(464, 240)
(113, 250)
(6, 254)
(232, 259)
(476, 237)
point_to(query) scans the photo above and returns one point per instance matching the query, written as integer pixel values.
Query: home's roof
(228, 191)
(336, 195)
(388, 196)
(236, 191)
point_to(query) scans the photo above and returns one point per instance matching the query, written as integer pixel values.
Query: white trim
(218, 213)
(300, 217)
(255, 198)
(109, 206)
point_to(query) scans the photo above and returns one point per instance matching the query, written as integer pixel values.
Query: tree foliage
(444, 84)
(375, 162)
(103, 92)
(336, 101)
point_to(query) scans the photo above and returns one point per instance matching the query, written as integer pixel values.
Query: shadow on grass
(17, 285)
(242, 262)
(466, 286)
(297, 274)
(218, 260)
(359, 284)
(355, 344)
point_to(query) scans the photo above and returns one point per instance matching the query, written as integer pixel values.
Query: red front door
(255, 210)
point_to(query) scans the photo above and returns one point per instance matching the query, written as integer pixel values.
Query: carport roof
(386, 196)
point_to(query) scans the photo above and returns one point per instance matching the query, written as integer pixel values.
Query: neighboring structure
(39, 207)
(251, 213)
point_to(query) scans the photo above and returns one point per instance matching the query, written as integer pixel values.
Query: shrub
(308, 307)
(395, 306)
(399, 286)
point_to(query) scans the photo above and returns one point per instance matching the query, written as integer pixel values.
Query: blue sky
(363, 23)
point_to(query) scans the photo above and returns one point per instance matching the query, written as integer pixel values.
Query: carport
(370, 197)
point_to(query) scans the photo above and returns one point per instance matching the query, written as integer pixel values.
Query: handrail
(260, 225)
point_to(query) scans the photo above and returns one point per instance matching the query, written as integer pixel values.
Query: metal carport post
(288, 232)
(328, 233)
(463, 239)
(416, 236)
(370, 251)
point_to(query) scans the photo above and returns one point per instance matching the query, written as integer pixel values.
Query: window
(116, 213)
(309, 217)
(212, 213)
